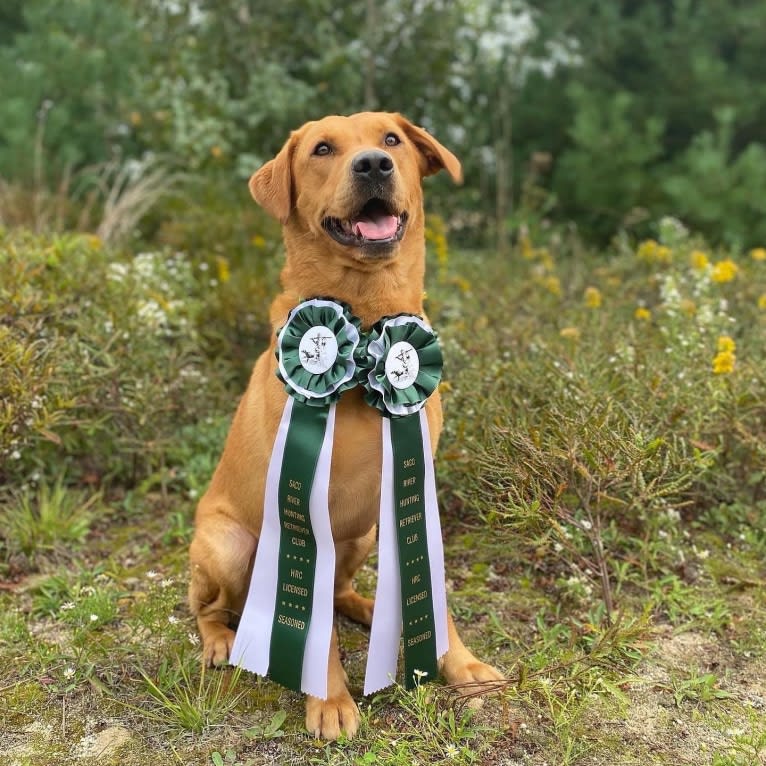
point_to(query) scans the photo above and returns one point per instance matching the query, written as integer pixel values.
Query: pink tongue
(378, 227)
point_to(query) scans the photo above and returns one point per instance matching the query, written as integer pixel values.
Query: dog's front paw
(216, 645)
(327, 718)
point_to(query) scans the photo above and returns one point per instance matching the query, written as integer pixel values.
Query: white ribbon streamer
(435, 545)
(383, 653)
(252, 643)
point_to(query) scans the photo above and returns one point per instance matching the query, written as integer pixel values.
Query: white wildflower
(117, 272)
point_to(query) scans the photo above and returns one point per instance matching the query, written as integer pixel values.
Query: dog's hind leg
(349, 556)
(221, 556)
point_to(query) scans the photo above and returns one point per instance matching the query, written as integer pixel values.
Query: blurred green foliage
(643, 109)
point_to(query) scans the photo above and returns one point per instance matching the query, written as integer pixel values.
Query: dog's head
(353, 183)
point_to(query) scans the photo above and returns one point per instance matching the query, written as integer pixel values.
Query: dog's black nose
(372, 165)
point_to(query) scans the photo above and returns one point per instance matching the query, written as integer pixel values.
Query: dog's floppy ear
(436, 157)
(272, 185)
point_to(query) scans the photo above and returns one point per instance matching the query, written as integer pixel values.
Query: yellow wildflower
(463, 284)
(436, 235)
(216, 151)
(664, 254)
(592, 297)
(762, 302)
(652, 251)
(135, 118)
(699, 260)
(545, 258)
(647, 249)
(552, 284)
(525, 243)
(758, 254)
(258, 241)
(570, 333)
(724, 362)
(726, 344)
(643, 314)
(724, 271)
(224, 273)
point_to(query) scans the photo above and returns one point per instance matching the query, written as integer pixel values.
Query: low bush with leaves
(622, 399)
(101, 359)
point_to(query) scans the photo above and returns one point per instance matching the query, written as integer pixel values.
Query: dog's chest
(356, 467)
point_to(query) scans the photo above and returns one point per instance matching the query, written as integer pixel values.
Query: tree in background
(656, 75)
(66, 70)
(644, 108)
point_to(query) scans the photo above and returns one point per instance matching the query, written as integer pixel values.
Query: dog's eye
(392, 139)
(322, 149)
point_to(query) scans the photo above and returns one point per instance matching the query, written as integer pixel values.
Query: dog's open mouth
(375, 224)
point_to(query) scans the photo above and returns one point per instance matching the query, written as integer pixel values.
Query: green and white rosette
(402, 369)
(286, 624)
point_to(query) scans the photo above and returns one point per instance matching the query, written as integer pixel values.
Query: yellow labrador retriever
(348, 193)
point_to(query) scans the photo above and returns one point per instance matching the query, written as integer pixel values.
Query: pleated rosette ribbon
(286, 624)
(402, 369)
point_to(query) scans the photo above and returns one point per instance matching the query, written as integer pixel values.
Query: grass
(41, 520)
(604, 521)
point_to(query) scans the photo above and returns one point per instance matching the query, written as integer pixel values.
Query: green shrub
(600, 405)
(235, 247)
(101, 359)
(607, 175)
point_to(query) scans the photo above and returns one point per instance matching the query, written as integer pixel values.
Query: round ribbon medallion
(318, 349)
(402, 365)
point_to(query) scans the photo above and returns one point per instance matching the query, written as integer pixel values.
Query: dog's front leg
(327, 718)
(221, 557)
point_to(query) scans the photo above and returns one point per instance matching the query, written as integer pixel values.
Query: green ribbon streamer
(297, 545)
(420, 655)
